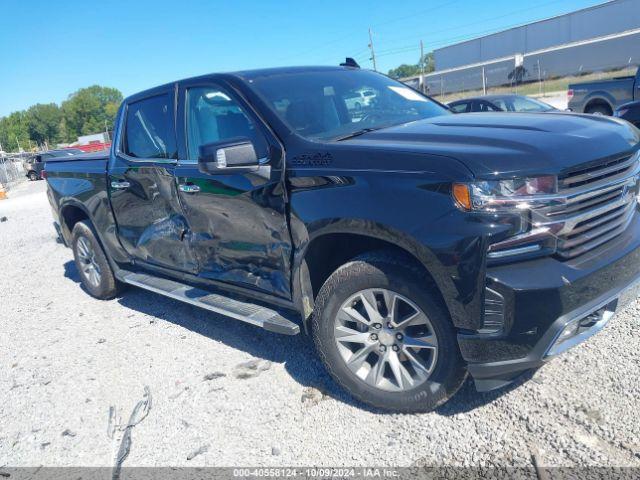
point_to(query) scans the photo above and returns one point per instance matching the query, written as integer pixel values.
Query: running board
(247, 312)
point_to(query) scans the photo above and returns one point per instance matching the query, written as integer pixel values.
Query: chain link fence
(11, 171)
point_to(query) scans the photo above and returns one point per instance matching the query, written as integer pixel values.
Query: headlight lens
(509, 194)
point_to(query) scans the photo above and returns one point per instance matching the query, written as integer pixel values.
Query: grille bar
(584, 248)
(600, 202)
(597, 173)
(592, 232)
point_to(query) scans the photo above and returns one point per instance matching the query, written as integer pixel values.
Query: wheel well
(328, 252)
(598, 102)
(70, 215)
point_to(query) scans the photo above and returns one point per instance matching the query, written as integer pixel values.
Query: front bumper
(544, 296)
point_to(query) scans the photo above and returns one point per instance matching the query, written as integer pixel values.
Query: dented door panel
(151, 224)
(238, 228)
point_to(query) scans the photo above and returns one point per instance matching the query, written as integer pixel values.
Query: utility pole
(422, 89)
(373, 53)
(484, 82)
(539, 78)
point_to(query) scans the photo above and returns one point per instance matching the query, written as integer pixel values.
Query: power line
(457, 27)
(353, 33)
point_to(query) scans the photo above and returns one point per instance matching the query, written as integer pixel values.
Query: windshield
(332, 104)
(522, 104)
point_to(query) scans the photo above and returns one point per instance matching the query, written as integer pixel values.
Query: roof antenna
(350, 62)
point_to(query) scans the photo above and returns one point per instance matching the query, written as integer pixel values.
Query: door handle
(119, 184)
(189, 188)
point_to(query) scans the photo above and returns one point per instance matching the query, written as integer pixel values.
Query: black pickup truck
(601, 97)
(413, 245)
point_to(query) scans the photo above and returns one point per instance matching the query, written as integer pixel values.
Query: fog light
(569, 331)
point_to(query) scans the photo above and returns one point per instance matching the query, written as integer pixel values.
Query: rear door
(144, 198)
(238, 226)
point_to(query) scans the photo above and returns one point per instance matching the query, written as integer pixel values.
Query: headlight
(497, 195)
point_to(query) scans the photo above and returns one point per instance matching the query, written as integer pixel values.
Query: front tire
(33, 176)
(385, 337)
(92, 264)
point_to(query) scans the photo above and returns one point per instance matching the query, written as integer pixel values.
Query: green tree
(44, 123)
(14, 132)
(406, 70)
(89, 109)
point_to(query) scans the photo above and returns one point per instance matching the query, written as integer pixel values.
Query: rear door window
(150, 129)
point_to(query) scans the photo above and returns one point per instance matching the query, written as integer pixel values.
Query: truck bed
(95, 156)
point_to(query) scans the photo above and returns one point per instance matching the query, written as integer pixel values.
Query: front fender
(406, 210)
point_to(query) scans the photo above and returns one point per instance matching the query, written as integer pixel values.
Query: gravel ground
(222, 393)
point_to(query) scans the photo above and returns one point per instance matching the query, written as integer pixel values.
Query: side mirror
(229, 156)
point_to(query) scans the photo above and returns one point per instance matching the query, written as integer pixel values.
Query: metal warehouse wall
(602, 56)
(613, 17)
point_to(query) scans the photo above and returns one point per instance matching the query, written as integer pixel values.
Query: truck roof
(244, 74)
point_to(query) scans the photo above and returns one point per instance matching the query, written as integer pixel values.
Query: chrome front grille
(602, 173)
(596, 203)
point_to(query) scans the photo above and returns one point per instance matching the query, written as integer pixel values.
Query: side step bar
(247, 312)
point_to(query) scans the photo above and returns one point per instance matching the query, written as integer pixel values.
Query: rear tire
(92, 264)
(599, 109)
(386, 378)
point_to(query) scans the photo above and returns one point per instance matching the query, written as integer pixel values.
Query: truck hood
(508, 144)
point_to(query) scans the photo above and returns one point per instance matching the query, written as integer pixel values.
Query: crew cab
(601, 97)
(414, 246)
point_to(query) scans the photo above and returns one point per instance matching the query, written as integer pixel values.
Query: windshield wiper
(357, 133)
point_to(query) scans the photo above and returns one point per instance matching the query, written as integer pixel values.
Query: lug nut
(399, 336)
(377, 326)
(395, 348)
(374, 337)
(389, 325)
(383, 348)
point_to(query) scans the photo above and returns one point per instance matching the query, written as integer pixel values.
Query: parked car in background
(629, 112)
(34, 166)
(500, 103)
(359, 99)
(602, 97)
(415, 246)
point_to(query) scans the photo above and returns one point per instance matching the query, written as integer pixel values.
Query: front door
(150, 222)
(238, 225)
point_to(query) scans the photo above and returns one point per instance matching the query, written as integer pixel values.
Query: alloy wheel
(88, 263)
(386, 340)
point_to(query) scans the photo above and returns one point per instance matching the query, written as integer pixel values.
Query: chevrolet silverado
(415, 247)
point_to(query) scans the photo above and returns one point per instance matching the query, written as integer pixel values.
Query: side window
(214, 116)
(499, 103)
(485, 107)
(149, 129)
(459, 108)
